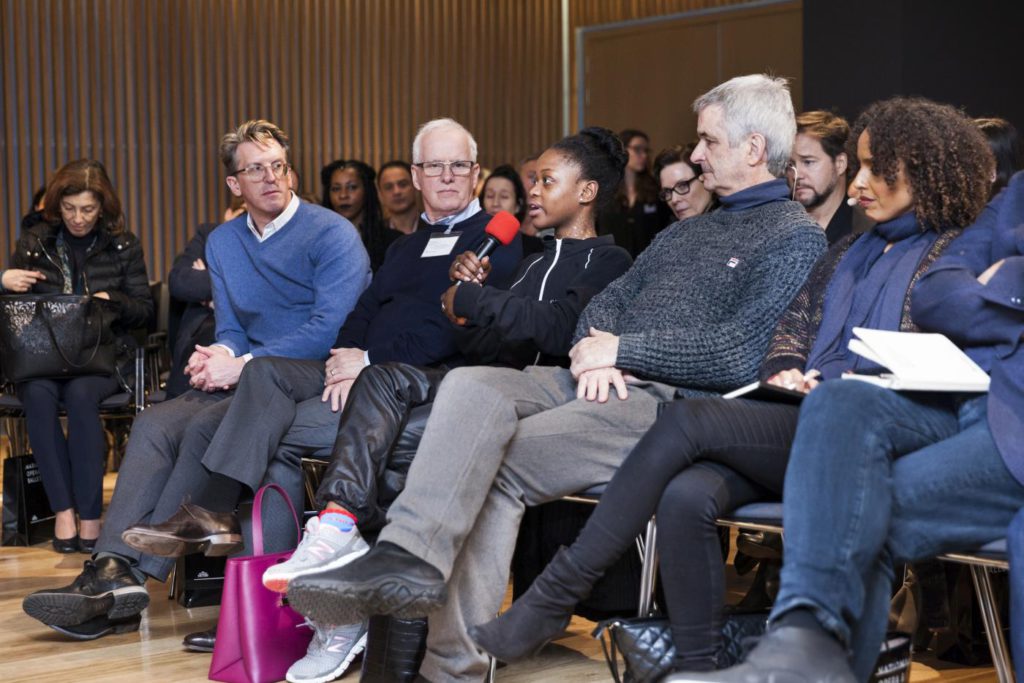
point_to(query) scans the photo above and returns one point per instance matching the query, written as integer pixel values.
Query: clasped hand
(343, 364)
(598, 350)
(213, 368)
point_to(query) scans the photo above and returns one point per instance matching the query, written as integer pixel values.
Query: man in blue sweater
(284, 276)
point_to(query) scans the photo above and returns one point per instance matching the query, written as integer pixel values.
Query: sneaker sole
(167, 545)
(70, 609)
(279, 582)
(346, 604)
(352, 654)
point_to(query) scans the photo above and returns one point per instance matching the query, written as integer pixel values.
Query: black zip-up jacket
(533, 321)
(115, 265)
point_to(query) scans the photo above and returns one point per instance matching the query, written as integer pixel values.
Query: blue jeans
(1015, 546)
(875, 478)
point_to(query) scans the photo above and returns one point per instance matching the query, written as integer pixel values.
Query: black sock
(802, 617)
(219, 494)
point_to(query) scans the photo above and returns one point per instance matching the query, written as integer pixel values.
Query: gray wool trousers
(497, 441)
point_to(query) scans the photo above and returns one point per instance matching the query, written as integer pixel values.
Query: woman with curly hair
(924, 174)
(879, 477)
(349, 188)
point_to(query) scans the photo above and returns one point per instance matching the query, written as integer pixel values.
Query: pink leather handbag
(258, 636)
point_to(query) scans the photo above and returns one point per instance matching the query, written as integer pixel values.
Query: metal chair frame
(981, 564)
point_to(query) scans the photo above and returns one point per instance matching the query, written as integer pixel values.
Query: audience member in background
(236, 207)
(706, 457)
(398, 196)
(286, 408)
(485, 173)
(693, 315)
(531, 323)
(284, 276)
(528, 176)
(504, 191)
(817, 171)
(349, 187)
(35, 213)
(1006, 146)
(679, 178)
(80, 247)
(635, 217)
(879, 477)
(189, 288)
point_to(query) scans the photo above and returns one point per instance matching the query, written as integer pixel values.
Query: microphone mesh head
(503, 227)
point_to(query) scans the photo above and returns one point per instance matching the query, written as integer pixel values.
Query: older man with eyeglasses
(284, 277)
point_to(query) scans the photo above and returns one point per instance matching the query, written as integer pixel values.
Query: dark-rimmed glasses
(681, 188)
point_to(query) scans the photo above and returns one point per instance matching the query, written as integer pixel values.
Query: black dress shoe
(201, 641)
(65, 545)
(386, 580)
(105, 588)
(191, 529)
(97, 627)
(786, 654)
(87, 545)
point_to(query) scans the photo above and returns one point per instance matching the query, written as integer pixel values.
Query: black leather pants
(379, 433)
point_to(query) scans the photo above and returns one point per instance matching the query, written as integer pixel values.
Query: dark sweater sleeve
(186, 283)
(134, 302)
(548, 324)
(727, 355)
(949, 298)
(605, 308)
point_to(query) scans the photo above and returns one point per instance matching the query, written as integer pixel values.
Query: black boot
(541, 614)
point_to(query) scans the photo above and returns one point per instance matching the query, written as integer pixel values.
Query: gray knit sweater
(698, 307)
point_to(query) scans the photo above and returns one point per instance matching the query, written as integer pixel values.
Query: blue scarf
(868, 289)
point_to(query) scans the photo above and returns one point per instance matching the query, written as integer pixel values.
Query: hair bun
(610, 144)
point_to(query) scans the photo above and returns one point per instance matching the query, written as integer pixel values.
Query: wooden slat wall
(149, 86)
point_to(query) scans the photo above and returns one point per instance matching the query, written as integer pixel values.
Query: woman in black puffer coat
(80, 248)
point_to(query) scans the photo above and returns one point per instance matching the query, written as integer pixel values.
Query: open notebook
(917, 362)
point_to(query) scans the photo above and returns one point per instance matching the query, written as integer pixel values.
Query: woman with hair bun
(924, 171)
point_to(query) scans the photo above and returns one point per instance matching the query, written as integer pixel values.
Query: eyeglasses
(257, 172)
(681, 188)
(432, 169)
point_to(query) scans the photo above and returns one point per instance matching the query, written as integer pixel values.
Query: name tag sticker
(440, 245)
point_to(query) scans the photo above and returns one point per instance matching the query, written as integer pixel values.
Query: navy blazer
(986, 320)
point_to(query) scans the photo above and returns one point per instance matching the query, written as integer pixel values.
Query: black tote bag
(55, 336)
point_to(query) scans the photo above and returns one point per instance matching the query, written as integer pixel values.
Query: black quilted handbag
(55, 336)
(647, 651)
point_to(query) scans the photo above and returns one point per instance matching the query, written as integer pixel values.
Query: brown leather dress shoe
(191, 529)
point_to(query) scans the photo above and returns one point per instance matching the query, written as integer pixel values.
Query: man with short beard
(817, 171)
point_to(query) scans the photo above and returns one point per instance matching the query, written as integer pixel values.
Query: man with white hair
(692, 317)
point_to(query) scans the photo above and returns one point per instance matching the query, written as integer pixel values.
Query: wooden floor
(31, 652)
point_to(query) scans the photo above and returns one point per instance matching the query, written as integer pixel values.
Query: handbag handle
(257, 516)
(44, 314)
(611, 654)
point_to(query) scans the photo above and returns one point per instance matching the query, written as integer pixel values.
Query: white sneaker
(330, 652)
(322, 547)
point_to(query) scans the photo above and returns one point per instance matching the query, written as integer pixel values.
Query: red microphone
(501, 229)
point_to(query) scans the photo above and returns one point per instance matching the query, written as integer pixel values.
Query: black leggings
(701, 459)
(71, 467)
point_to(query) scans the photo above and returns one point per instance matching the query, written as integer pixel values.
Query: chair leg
(492, 667)
(993, 625)
(648, 568)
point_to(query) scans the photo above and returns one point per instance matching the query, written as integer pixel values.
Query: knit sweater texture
(698, 307)
(288, 295)
(797, 330)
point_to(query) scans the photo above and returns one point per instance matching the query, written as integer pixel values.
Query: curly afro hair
(944, 157)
